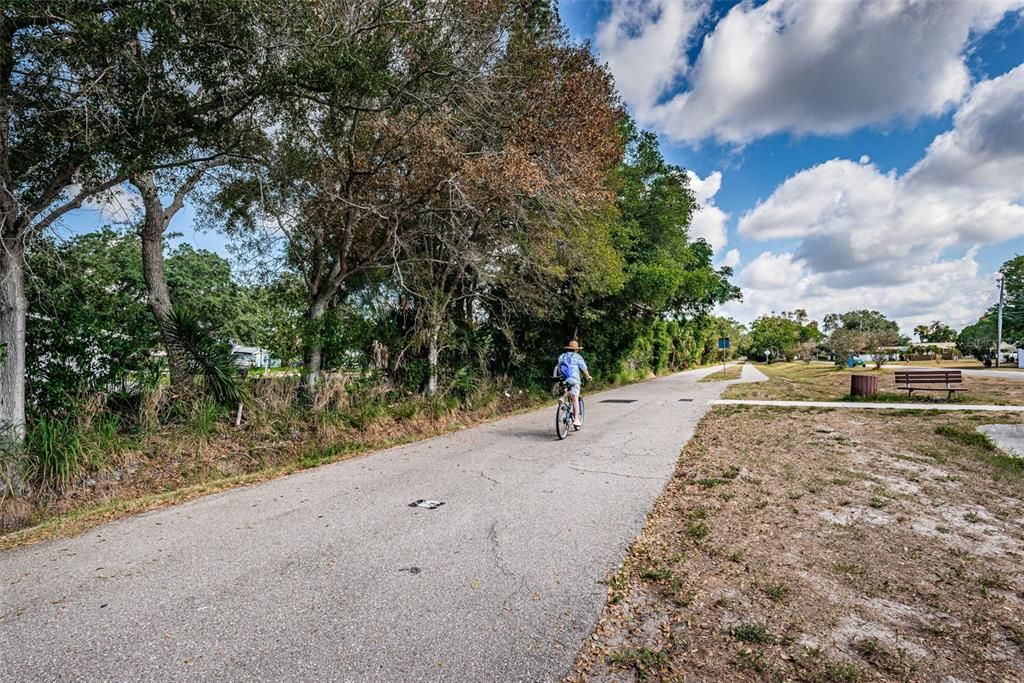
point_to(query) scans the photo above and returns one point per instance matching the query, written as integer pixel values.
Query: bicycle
(563, 414)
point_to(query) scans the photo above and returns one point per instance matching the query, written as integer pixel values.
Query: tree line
(792, 335)
(434, 194)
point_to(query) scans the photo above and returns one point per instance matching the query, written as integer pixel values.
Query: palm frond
(206, 359)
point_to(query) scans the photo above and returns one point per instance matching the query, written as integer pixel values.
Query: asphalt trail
(329, 574)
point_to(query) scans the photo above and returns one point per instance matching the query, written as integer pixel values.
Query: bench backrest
(929, 377)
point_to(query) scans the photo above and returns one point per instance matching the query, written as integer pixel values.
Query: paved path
(859, 405)
(1010, 438)
(330, 575)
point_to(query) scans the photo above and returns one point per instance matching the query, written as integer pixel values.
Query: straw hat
(573, 346)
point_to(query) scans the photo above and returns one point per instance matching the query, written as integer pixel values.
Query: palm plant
(208, 361)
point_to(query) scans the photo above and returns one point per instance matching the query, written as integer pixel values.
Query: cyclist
(570, 365)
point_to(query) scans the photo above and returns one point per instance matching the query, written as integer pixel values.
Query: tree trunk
(158, 293)
(13, 313)
(432, 353)
(312, 355)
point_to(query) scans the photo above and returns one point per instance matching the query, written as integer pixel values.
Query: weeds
(876, 653)
(777, 592)
(697, 530)
(656, 573)
(750, 632)
(641, 660)
(966, 437)
(54, 453)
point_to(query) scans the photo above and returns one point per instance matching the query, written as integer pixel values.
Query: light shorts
(574, 386)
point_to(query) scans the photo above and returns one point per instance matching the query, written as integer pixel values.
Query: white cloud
(771, 271)
(954, 291)
(709, 222)
(731, 259)
(802, 66)
(864, 238)
(645, 41)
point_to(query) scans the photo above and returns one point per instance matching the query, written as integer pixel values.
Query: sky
(846, 154)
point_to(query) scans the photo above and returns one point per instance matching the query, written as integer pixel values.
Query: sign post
(723, 344)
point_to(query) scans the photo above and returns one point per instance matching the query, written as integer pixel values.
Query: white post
(999, 323)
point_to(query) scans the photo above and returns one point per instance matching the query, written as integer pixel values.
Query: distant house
(252, 357)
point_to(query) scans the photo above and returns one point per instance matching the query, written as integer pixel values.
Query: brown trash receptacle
(863, 385)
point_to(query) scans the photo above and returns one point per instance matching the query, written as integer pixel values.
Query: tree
(92, 93)
(863, 320)
(1013, 299)
(935, 332)
(843, 342)
(774, 337)
(878, 343)
(979, 339)
(89, 332)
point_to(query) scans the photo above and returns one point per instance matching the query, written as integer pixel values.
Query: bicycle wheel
(583, 414)
(563, 418)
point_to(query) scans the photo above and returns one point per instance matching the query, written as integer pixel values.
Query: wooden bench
(908, 380)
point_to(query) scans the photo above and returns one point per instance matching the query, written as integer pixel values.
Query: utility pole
(999, 323)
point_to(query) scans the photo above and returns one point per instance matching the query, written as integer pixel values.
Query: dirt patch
(823, 546)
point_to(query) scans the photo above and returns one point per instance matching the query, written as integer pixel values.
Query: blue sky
(847, 154)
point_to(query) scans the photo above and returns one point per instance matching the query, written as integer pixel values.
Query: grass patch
(642, 660)
(750, 632)
(964, 437)
(777, 591)
(731, 372)
(697, 530)
(780, 577)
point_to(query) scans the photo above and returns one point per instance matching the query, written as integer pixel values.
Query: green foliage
(936, 332)
(752, 633)
(979, 339)
(206, 359)
(90, 330)
(1013, 299)
(863, 320)
(201, 282)
(966, 437)
(778, 337)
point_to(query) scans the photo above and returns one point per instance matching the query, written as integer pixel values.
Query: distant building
(253, 357)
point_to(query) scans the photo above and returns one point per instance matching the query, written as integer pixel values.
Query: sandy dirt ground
(814, 545)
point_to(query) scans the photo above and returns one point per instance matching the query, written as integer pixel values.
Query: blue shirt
(576, 362)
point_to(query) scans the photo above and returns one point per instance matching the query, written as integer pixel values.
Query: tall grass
(54, 455)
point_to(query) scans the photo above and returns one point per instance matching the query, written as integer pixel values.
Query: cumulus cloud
(731, 259)
(645, 42)
(801, 66)
(953, 291)
(864, 238)
(709, 222)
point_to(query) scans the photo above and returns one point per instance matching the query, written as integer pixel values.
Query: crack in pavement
(617, 474)
(490, 479)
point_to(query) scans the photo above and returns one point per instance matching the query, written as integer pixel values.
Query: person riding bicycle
(570, 365)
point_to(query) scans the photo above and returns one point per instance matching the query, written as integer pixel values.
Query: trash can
(863, 385)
